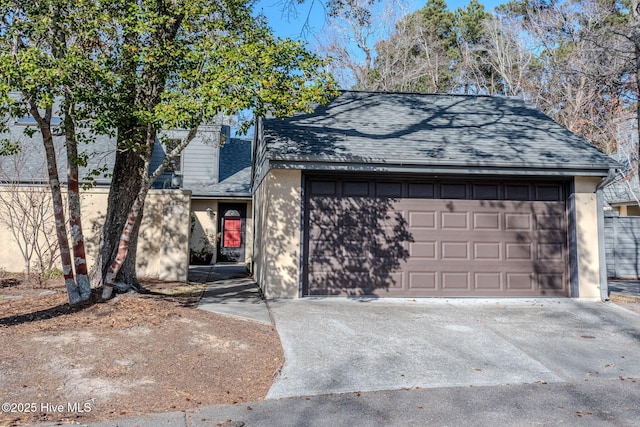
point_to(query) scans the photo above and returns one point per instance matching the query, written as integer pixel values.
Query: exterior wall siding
(260, 161)
(201, 157)
(163, 243)
(584, 243)
(277, 243)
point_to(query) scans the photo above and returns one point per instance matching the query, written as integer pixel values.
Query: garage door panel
(455, 281)
(397, 282)
(488, 281)
(518, 251)
(518, 221)
(491, 251)
(550, 237)
(550, 251)
(550, 222)
(454, 221)
(424, 220)
(359, 283)
(519, 281)
(324, 219)
(419, 245)
(426, 280)
(422, 250)
(486, 221)
(553, 283)
(454, 250)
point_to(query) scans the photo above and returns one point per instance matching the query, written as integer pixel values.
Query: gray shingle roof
(30, 166)
(625, 188)
(435, 130)
(622, 191)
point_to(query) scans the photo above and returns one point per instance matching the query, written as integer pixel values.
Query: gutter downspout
(604, 287)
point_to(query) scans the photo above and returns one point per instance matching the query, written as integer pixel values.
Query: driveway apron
(350, 345)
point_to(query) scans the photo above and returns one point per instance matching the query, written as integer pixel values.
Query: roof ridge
(461, 95)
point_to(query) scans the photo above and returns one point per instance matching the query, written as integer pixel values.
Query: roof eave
(445, 169)
(234, 196)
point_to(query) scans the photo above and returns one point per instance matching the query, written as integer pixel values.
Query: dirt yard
(133, 355)
(631, 303)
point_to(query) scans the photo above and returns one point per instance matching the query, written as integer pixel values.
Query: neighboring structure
(217, 170)
(622, 210)
(426, 195)
(199, 206)
(623, 196)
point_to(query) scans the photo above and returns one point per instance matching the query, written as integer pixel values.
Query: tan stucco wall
(207, 224)
(277, 245)
(163, 243)
(586, 238)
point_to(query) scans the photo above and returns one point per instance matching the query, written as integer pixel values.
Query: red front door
(232, 233)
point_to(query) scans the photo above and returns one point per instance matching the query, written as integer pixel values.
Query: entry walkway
(230, 291)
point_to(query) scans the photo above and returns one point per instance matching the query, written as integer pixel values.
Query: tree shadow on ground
(52, 312)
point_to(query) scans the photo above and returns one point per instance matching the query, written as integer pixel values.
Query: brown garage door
(435, 238)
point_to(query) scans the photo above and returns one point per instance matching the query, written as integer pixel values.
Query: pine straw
(133, 355)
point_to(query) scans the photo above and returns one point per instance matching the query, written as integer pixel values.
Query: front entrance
(231, 244)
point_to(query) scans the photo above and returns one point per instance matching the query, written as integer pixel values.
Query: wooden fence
(622, 243)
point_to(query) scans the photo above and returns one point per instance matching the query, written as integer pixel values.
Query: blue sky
(293, 28)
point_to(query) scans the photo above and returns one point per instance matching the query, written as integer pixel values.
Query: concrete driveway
(341, 345)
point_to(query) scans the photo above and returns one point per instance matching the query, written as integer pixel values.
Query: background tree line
(577, 61)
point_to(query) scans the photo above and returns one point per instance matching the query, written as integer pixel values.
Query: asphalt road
(593, 402)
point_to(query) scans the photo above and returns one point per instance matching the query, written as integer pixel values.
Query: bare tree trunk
(129, 233)
(125, 186)
(58, 204)
(75, 217)
(124, 243)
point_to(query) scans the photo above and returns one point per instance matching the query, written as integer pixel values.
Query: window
(232, 213)
(176, 162)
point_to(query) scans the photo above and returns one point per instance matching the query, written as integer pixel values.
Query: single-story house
(416, 195)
